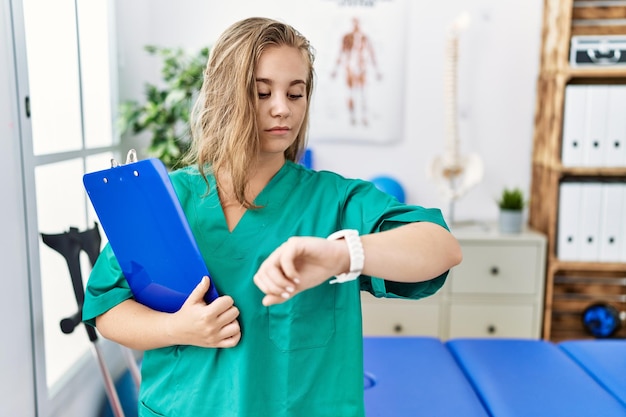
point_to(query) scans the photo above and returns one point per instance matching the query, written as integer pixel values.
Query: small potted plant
(511, 203)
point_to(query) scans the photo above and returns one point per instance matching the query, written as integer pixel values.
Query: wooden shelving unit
(570, 286)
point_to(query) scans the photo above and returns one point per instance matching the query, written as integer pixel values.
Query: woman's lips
(278, 130)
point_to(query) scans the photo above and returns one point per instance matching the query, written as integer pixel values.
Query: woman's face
(281, 75)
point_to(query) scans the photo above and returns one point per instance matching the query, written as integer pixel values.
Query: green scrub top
(302, 357)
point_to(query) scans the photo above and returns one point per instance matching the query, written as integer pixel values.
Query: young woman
(288, 248)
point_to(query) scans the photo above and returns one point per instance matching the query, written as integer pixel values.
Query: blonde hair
(223, 120)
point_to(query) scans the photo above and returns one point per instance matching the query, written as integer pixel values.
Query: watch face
(601, 320)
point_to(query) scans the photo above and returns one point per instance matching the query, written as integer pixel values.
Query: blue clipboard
(148, 232)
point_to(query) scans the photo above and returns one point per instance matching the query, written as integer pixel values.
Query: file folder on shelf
(622, 229)
(568, 237)
(595, 138)
(611, 238)
(594, 126)
(615, 149)
(148, 232)
(573, 125)
(591, 210)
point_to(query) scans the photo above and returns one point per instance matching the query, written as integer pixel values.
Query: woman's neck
(233, 209)
(259, 175)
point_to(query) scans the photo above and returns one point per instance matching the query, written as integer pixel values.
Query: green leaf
(174, 97)
(511, 199)
(165, 110)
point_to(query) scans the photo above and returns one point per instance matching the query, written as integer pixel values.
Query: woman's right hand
(206, 325)
(139, 327)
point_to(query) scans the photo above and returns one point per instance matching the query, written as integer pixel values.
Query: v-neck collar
(269, 199)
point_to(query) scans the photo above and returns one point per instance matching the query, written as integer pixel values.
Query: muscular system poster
(360, 68)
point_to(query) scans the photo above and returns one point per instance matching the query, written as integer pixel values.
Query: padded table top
(416, 376)
(522, 378)
(604, 360)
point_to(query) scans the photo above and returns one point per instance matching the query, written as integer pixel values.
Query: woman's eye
(295, 96)
(264, 95)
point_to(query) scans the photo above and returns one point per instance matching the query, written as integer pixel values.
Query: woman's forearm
(135, 326)
(410, 253)
(196, 323)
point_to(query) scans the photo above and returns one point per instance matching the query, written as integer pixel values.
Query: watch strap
(357, 256)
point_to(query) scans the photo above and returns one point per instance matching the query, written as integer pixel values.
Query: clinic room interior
(503, 114)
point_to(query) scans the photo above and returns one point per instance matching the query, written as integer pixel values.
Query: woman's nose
(280, 107)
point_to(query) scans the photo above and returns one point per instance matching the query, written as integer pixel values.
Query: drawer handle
(398, 328)
(494, 270)
(491, 329)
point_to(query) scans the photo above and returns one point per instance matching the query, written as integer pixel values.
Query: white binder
(573, 125)
(615, 146)
(568, 234)
(591, 210)
(622, 255)
(611, 237)
(594, 141)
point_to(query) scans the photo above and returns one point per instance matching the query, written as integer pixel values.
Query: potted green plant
(167, 106)
(511, 204)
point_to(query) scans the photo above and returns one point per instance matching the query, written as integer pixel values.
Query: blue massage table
(604, 360)
(423, 376)
(416, 377)
(523, 378)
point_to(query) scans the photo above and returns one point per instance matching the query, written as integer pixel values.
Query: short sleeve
(106, 287)
(379, 212)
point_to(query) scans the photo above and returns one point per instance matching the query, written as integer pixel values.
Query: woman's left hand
(299, 264)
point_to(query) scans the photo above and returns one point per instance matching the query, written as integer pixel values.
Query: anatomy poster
(360, 68)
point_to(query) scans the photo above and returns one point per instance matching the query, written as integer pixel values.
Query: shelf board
(594, 171)
(596, 72)
(565, 266)
(560, 170)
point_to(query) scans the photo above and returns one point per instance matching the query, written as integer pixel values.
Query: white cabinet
(497, 291)
(389, 317)
(489, 319)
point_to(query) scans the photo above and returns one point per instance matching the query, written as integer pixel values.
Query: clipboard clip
(131, 157)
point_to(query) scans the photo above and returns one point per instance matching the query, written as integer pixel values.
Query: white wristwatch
(357, 256)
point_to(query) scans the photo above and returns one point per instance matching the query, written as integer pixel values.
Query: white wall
(498, 70)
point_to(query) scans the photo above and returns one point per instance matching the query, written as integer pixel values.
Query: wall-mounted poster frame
(360, 70)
